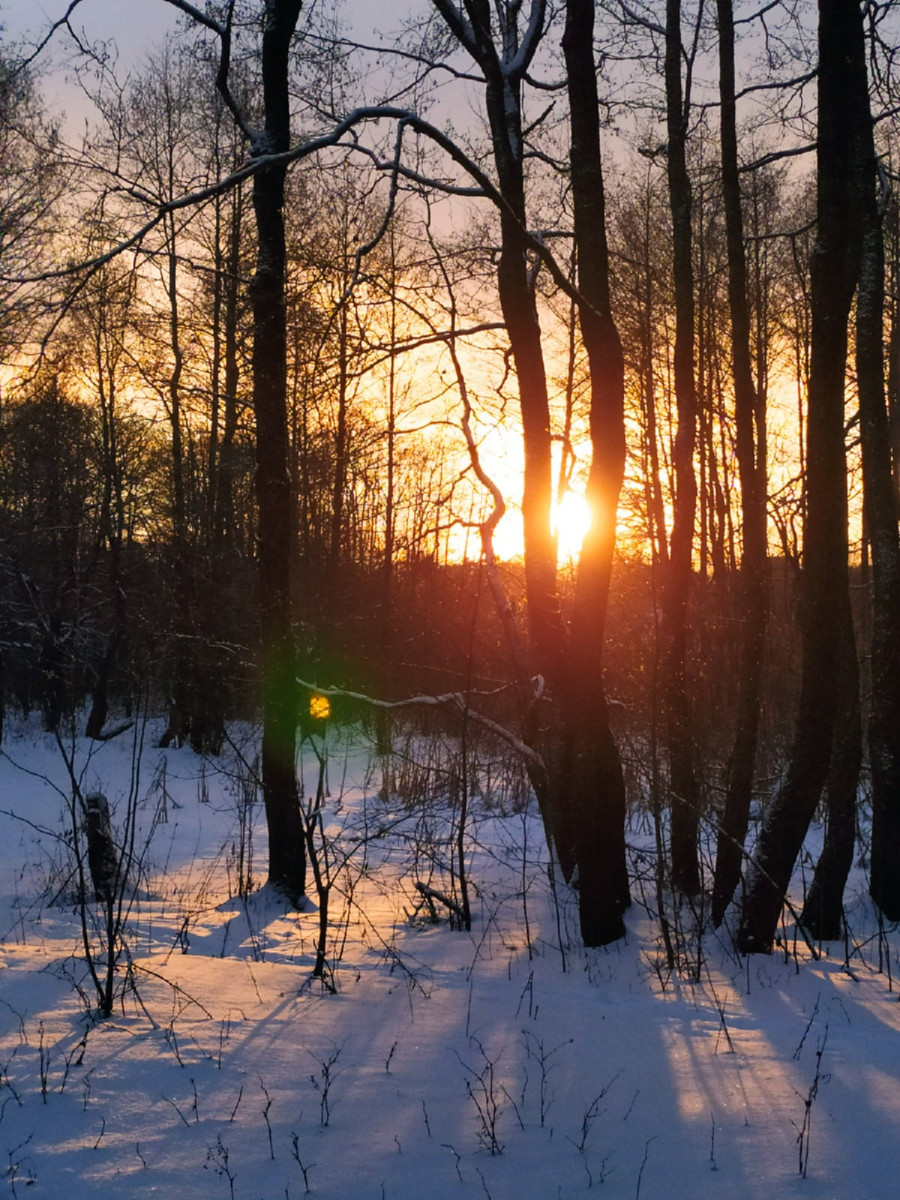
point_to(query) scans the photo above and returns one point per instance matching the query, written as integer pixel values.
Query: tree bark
(685, 814)
(112, 520)
(753, 584)
(893, 371)
(881, 525)
(287, 856)
(824, 583)
(596, 788)
(582, 798)
(823, 908)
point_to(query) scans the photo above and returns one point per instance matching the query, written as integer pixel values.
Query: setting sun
(571, 520)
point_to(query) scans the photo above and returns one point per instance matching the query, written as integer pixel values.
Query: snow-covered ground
(503, 1063)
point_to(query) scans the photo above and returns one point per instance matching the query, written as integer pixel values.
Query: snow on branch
(457, 700)
(776, 156)
(521, 61)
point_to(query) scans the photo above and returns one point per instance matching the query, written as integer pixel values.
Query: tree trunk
(112, 520)
(753, 589)
(218, 587)
(596, 790)
(96, 719)
(339, 481)
(881, 525)
(823, 909)
(679, 708)
(833, 271)
(182, 685)
(582, 798)
(656, 512)
(103, 857)
(224, 538)
(287, 856)
(892, 220)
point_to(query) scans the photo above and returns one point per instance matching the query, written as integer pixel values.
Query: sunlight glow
(571, 519)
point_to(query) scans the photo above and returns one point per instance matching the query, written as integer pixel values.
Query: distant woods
(293, 326)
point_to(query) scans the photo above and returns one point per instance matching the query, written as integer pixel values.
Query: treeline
(270, 281)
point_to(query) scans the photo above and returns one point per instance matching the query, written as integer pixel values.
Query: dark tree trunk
(287, 856)
(100, 692)
(103, 857)
(223, 605)
(892, 223)
(545, 625)
(881, 525)
(833, 272)
(51, 671)
(753, 590)
(183, 683)
(683, 792)
(823, 909)
(339, 482)
(223, 524)
(656, 511)
(596, 788)
(218, 586)
(582, 797)
(112, 531)
(383, 724)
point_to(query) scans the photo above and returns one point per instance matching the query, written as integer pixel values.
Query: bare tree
(833, 271)
(582, 794)
(287, 855)
(683, 789)
(596, 787)
(750, 440)
(881, 520)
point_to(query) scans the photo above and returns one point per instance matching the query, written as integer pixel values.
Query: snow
(226, 1070)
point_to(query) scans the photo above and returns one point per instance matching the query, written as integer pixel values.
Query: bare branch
(358, 116)
(223, 33)
(48, 36)
(431, 339)
(397, 52)
(775, 155)
(533, 34)
(759, 14)
(459, 25)
(776, 84)
(455, 700)
(201, 17)
(643, 22)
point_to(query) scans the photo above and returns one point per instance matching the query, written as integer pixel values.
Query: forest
(453, 453)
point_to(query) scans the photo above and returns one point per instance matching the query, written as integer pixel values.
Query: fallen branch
(431, 894)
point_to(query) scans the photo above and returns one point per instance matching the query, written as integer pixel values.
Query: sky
(132, 28)
(134, 24)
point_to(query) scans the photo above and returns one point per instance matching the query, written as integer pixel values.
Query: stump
(103, 861)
